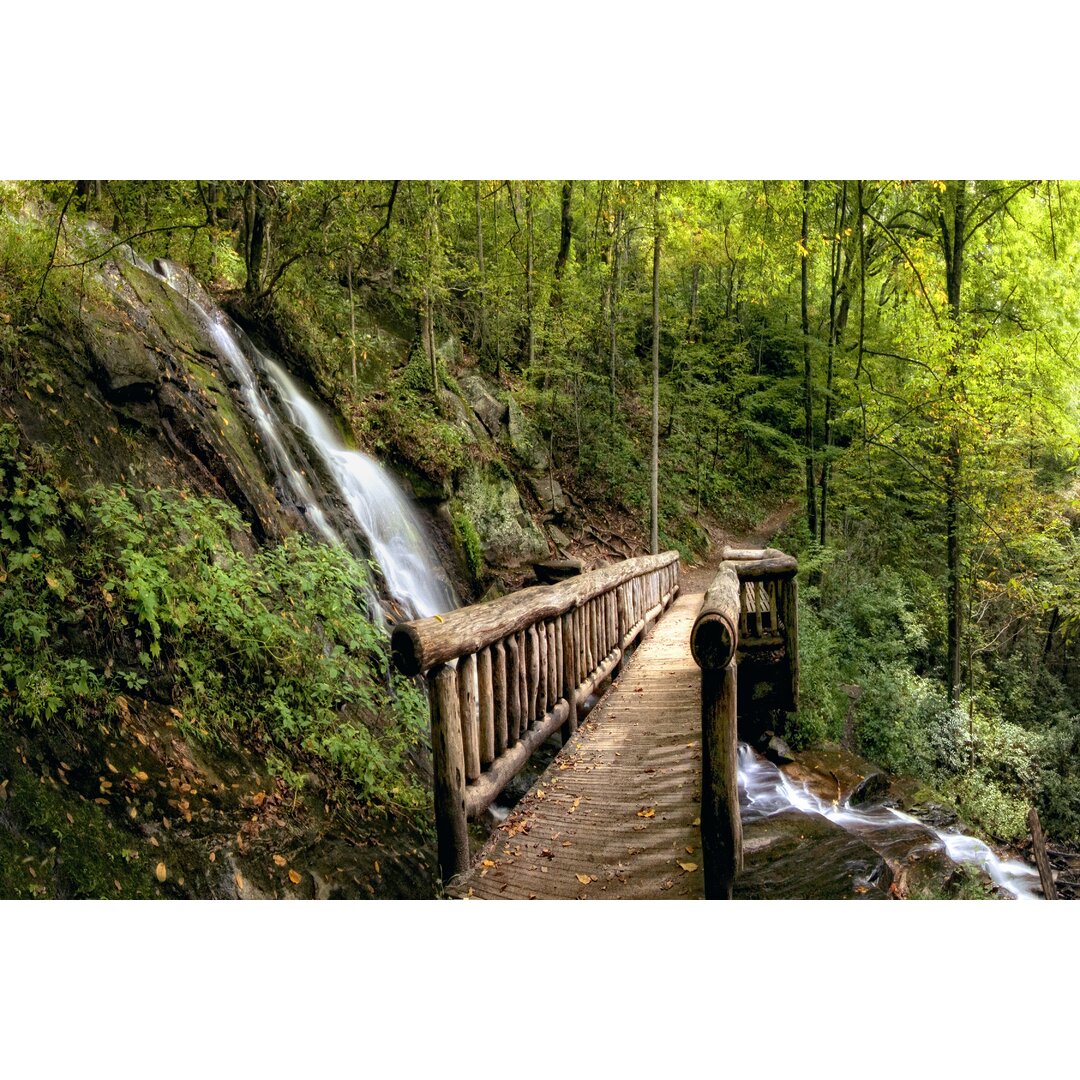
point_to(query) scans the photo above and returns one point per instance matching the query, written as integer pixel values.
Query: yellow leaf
(696, 821)
(487, 862)
(280, 860)
(160, 872)
(647, 811)
(239, 879)
(540, 794)
(294, 877)
(213, 856)
(689, 867)
(377, 866)
(52, 582)
(584, 879)
(142, 776)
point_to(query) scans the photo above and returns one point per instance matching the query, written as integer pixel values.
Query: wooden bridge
(642, 800)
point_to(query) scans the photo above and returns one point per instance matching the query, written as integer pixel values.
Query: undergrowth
(155, 593)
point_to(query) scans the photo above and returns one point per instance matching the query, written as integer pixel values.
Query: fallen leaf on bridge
(584, 879)
(647, 811)
(576, 804)
(488, 862)
(689, 867)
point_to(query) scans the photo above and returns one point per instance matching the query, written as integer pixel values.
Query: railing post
(713, 644)
(448, 755)
(721, 826)
(789, 591)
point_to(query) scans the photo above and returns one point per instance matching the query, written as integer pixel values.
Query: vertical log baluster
(534, 674)
(470, 734)
(486, 706)
(500, 688)
(542, 703)
(569, 685)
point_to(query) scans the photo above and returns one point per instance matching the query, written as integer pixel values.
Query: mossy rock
(508, 536)
(524, 439)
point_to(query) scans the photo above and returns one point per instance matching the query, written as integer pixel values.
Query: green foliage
(40, 595)
(272, 645)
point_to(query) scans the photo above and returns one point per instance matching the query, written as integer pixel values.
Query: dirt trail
(697, 579)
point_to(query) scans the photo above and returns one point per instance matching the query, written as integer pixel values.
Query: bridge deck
(619, 805)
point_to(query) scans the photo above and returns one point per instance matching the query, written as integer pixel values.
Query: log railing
(504, 675)
(751, 605)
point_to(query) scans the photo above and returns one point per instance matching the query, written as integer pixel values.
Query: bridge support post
(721, 826)
(448, 753)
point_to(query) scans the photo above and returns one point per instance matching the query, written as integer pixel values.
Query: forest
(196, 691)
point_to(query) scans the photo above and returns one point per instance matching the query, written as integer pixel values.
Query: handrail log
(423, 643)
(715, 635)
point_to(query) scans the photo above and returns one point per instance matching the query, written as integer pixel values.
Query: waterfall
(765, 790)
(341, 493)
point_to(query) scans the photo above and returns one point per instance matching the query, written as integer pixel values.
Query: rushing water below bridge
(764, 790)
(344, 495)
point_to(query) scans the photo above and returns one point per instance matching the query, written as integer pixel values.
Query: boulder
(872, 788)
(561, 540)
(778, 752)
(548, 492)
(488, 408)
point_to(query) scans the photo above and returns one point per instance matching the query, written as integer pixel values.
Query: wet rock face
(792, 855)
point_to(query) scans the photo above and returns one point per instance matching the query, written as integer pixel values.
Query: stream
(764, 790)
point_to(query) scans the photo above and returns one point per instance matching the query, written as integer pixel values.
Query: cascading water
(291, 429)
(764, 790)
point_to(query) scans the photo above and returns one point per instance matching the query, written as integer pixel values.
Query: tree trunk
(481, 317)
(954, 262)
(352, 321)
(428, 321)
(613, 306)
(565, 233)
(654, 499)
(839, 215)
(529, 276)
(255, 215)
(808, 400)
